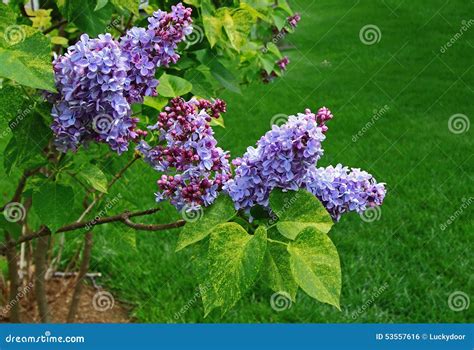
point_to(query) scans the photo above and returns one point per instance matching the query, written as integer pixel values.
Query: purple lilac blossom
(188, 151)
(281, 159)
(98, 79)
(286, 158)
(90, 79)
(147, 49)
(341, 189)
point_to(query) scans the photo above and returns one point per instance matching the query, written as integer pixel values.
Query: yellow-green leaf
(315, 266)
(25, 57)
(297, 210)
(235, 258)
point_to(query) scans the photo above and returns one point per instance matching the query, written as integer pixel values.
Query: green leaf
(30, 136)
(297, 210)
(277, 271)
(100, 4)
(279, 18)
(268, 64)
(53, 203)
(220, 211)
(212, 25)
(195, 3)
(221, 73)
(237, 24)
(127, 5)
(253, 11)
(157, 102)
(315, 266)
(173, 86)
(85, 17)
(235, 258)
(202, 79)
(271, 47)
(14, 228)
(59, 40)
(217, 122)
(12, 104)
(94, 177)
(25, 57)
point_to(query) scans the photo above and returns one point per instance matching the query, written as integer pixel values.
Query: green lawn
(427, 168)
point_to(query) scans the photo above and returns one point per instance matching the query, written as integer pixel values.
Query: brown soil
(101, 309)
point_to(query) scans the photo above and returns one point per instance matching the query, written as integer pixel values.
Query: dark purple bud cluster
(194, 168)
(282, 63)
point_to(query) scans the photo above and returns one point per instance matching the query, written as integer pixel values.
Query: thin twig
(54, 26)
(112, 182)
(21, 186)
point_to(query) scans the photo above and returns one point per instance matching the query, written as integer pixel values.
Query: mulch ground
(96, 306)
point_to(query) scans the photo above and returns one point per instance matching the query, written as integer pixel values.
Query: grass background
(427, 168)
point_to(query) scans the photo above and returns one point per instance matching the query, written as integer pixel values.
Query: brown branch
(123, 218)
(21, 186)
(40, 273)
(54, 26)
(14, 279)
(151, 227)
(86, 257)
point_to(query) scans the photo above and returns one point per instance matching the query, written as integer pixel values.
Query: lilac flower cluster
(282, 63)
(282, 159)
(188, 150)
(98, 79)
(91, 105)
(147, 49)
(286, 158)
(341, 189)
